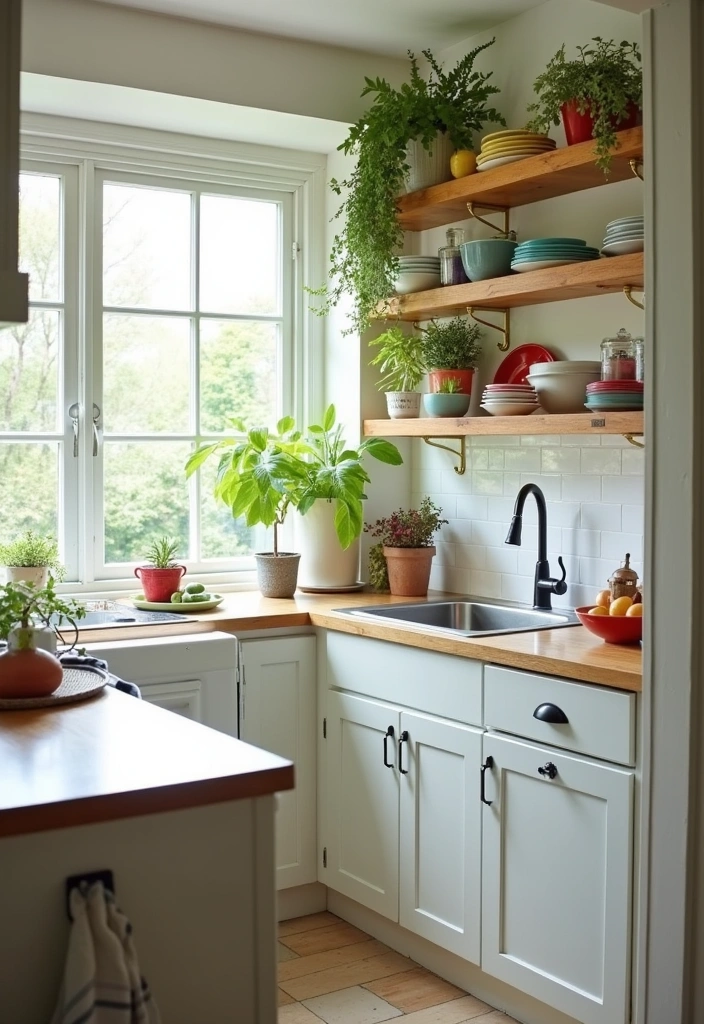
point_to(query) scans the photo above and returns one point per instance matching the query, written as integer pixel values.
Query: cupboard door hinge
(295, 250)
(243, 691)
(325, 728)
(325, 856)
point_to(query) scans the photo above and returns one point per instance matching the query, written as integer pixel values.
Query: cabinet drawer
(600, 722)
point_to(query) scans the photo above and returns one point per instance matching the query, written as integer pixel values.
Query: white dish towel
(102, 983)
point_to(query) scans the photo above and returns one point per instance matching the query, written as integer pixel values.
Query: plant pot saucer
(166, 606)
(352, 588)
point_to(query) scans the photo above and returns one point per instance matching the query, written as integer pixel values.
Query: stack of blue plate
(623, 236)
(540, 253)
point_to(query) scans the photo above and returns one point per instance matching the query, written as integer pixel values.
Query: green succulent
(162, 553)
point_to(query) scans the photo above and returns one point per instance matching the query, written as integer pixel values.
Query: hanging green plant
(363, 261)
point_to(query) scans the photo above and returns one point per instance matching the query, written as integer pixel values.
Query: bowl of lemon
(616, 622)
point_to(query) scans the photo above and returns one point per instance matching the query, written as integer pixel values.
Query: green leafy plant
(401, 359)
(449, 386)
(162, 553)
(605, 80)
(31, 549)
(452, 345)
(21, 605)
(378, 572)
(363, 261)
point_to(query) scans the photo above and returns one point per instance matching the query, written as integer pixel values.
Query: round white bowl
(509, 408)
(566, 366)
(408, 282)
(563, 392)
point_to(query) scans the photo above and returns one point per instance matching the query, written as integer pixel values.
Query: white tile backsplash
(594, 490)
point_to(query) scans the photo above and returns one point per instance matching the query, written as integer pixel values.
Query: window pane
(146, 371)
(222, 536)
(239, 370)
(146, 247)
(146, 497)
(240, 255)
(29, 373)
(29, 489)
(40, 235)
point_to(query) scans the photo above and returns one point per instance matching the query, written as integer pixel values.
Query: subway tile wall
(594, 489)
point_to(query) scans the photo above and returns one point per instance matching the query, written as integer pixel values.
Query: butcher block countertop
(118, 757)
(570, 652)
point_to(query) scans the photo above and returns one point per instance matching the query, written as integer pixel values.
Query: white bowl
(565, 366)
(415, 281)
(563, 392)
(510, 408)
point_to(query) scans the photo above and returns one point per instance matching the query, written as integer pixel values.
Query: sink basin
(467, 618)
(110, 613)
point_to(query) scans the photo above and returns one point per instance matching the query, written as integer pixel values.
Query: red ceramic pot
(159, 584)
(436, 377)
(580, 127)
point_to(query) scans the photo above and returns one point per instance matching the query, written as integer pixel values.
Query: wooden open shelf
(558, 173)
(574, 281)
(574, 423)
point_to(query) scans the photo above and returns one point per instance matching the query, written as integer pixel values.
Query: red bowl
(614, 629)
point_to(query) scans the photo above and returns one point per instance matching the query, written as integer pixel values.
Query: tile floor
(331, 971)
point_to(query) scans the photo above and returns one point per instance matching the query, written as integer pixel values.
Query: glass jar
(618, 357)
(640, 358)
(451, 268)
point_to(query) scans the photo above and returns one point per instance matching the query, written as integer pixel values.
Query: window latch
(96, 429)
(74, 413)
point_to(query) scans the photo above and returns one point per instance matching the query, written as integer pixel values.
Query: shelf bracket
(631, 438)
(503, 210)
(460, 453)
(636, 165)
(628, 292)
(504, 345)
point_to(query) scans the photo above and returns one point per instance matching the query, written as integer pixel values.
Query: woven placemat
(77, 684)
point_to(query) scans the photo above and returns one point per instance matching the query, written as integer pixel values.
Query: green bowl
(487, 258)
(439, 404)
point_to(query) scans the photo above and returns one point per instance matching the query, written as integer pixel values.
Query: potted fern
(597, 94)
(161, 574)
(401, 361)
(451, 350)
(29, 559)
(446, 108)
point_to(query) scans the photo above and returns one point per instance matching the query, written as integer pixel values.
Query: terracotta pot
(409, 570)
(579, 127)
(436, 377)
(277, 575)
(159, 584)
(29, 673)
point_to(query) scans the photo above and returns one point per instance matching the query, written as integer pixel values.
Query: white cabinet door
(277, 712)
(440, 851)
(556, 903)
(362, 801)
(184, 698)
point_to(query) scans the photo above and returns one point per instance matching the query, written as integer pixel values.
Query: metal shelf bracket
(504, 345)
(631, 438)
(636, 165)
(460, 453)
(505, 211)
(628, 292)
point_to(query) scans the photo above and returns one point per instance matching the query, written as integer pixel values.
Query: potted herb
(451, 349)
(401, 361)
(161, 574)
(25, 610)
(448, 106)
(30, 557)
(448, 400)
(598, 93)
(405, 540)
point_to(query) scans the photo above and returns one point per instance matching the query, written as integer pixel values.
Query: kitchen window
(161, 305)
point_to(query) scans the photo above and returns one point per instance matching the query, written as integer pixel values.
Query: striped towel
(102, 983)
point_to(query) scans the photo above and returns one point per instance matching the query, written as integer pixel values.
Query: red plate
(516, 365)
(615, 385)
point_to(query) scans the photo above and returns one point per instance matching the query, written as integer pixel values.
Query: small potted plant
(448, 400)
(597, 94)
(405, 540)
(30, 557)
(401, 361)
(25, 610)
(452, 348)
(161, 574)
(446, 110)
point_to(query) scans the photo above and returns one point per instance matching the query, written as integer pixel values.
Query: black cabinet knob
(548, 771)
(550, 713)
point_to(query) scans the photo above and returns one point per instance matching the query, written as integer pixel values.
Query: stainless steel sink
(466, 618)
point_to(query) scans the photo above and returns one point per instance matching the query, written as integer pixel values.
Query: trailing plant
(363, 260)
(32, 550)
(21, 605)
(401, 360)
(452, 345)
(162, 553)
(412, 528)
(605, 80)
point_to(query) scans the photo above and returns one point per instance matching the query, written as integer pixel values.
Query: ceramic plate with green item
(178, 606)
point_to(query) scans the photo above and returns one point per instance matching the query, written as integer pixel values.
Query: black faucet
(544, 584)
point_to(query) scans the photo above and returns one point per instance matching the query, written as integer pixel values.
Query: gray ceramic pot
(277, 575)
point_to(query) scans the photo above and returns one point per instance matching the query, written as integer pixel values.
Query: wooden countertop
(117, 757)
(572, 652)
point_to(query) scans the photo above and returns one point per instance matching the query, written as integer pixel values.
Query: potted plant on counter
(401, 361)
(161, 574)
(597, 94)
(451, 350)
(405, 540)
(30, 558)
(433, 116)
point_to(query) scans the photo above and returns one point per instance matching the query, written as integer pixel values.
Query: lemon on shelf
(462, 163)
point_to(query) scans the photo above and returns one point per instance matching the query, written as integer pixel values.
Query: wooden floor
(330, 971)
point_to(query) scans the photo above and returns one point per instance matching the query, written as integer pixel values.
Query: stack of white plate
(623, 236)
(509, 399)
(417, 274)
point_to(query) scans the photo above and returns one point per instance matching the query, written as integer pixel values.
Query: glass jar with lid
(618, 357)
(451, 267)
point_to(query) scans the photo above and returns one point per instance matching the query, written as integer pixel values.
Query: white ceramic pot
(324, 563)
(42, 638)
(428, 168)
(403, 405)
(37, 575)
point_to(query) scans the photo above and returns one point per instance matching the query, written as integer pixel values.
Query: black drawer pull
(403, 739)
(550, 713)
(389, 732)
(548, 771)
(489, 763)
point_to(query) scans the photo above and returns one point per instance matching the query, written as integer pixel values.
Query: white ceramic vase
(403, 405)
(429, 168)
(37, 575)
(324, 563)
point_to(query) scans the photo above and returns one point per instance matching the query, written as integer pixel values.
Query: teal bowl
(439, 404)
(487, 258)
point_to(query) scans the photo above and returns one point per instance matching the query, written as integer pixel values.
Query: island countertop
(114, 757)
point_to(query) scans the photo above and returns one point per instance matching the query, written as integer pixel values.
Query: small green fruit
(177, 597)
(194, 588)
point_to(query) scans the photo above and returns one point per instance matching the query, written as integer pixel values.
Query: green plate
(166, 606)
